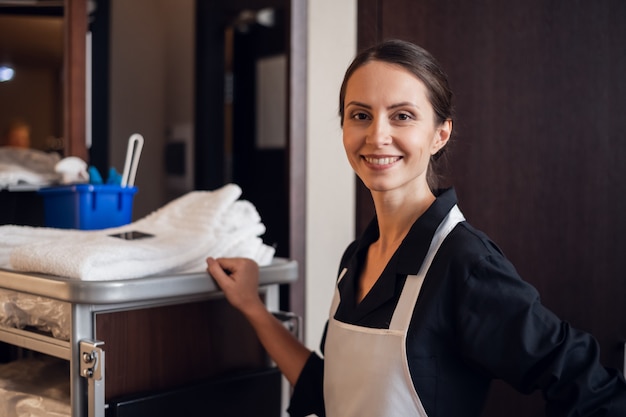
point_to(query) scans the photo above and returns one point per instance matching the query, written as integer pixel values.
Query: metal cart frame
(85, 353)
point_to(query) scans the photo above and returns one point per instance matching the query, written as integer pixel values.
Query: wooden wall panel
(539, 156)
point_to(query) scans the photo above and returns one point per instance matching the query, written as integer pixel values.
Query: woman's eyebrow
(393, 106)
(403, 104)
(359, 104)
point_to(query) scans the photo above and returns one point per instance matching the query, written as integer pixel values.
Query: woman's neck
(396, 215)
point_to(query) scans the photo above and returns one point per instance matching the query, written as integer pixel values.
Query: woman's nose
(379, 133)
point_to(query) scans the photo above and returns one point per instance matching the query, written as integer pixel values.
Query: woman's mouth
(386, 160)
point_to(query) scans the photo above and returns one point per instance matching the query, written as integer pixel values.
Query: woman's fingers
(237, 277)
(233, 268)
(217, 272)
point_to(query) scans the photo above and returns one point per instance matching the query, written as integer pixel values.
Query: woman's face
(389, 130)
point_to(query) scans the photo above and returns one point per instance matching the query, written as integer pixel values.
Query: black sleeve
(505, 330)
(308, 393)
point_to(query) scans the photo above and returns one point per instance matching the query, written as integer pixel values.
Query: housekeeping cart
(149, 342)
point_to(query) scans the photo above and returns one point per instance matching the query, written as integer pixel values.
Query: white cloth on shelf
(27, 166)
(36, 387)
(186, 231)
(20, 310)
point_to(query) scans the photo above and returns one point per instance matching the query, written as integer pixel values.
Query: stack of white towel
(186, 231)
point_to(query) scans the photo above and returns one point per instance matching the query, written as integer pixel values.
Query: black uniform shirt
(475, 320)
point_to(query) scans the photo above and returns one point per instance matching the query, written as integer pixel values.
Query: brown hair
(422, 65)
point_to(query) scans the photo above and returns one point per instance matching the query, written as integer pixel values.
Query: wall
(33, 46)
(152, 44)
(330, 179)
(33, 96)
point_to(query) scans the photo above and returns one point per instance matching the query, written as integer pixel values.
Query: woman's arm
(506, 330)
(239, 279)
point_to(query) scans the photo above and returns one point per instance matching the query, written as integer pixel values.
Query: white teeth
(382, 161)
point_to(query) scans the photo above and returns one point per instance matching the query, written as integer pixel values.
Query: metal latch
(92, 368)
(291, 321)
(91, 356)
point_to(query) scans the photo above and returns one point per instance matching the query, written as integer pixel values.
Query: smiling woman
(421, 296)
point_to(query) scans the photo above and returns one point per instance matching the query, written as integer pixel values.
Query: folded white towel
(186, 231)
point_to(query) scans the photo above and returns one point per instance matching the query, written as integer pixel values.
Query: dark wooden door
(539, 153)
(226, 148)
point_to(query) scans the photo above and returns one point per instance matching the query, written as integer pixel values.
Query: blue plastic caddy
(87, 206)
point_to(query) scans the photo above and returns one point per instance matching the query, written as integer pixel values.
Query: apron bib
(366, 371)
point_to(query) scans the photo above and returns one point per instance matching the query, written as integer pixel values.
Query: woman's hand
(239, 280)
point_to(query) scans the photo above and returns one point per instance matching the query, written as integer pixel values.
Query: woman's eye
(404, 116)
(360, 116)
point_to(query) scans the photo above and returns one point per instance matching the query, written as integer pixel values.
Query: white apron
(366, 372)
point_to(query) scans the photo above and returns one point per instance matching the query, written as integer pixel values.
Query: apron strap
(336, 297)
(413, 285)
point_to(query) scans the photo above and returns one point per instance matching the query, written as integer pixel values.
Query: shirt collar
(409, 256)
(417, 241)
(414, 247)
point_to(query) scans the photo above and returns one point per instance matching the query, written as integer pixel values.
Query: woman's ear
(442, 135)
